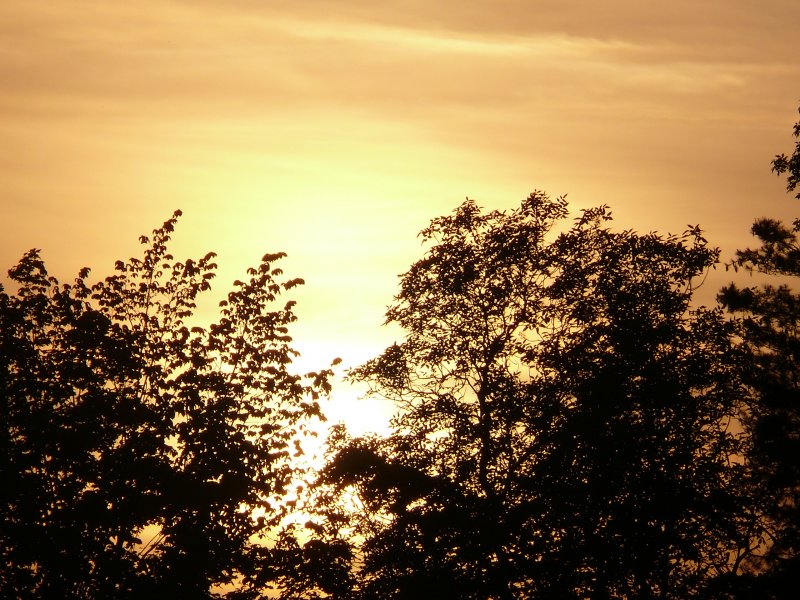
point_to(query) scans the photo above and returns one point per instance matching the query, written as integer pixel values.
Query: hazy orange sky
(335, 131)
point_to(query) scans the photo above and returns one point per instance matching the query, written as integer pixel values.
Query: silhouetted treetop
(790, 165)
(141, 455)
(564, 418)
(768, 317)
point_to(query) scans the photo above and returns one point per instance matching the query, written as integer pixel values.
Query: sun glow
(336, 137)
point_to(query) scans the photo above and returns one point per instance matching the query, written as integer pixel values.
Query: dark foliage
(770, 328)
(566, 419)
(137, 450)
(790, 165)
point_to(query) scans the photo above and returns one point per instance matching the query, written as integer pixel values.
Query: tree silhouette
(565, 419)
(770, 316)
(141, 455)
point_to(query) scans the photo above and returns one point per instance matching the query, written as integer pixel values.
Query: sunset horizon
(403, 299)
(335, 134)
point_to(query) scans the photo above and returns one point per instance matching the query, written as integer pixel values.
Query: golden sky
(334, 131)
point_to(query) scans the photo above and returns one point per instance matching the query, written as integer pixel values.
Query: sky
(334, 131)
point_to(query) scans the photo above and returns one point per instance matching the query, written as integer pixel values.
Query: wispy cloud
(447, 42)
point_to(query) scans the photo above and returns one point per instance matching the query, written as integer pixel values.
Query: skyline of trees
(570, 424)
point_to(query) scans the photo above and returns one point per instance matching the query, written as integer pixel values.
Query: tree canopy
(570, 425)
(141, 454)
(566, 418)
